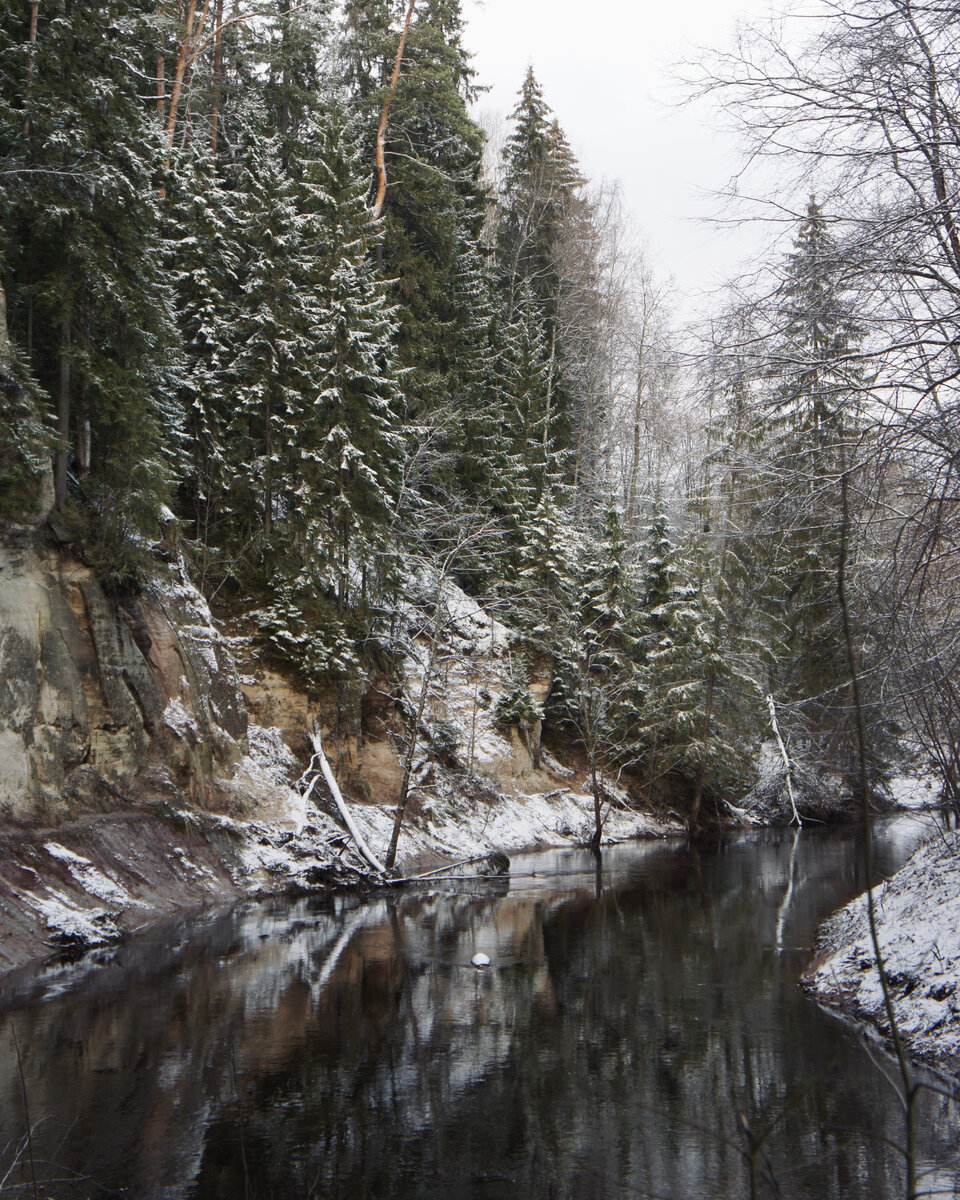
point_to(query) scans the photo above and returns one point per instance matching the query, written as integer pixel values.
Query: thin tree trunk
(597, 819)
(190, 46)
(6, 350)
(32, 39)
(217, 78)
(906, 1075)
(267, 477)
(635, 465)
(160, 90)
(771, 705)
(334, 789)
(549, 398)
(701, 777)
(391, 857)
(63, 413)
(381, 164)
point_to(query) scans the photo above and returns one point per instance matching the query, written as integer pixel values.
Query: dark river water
(633, 1024)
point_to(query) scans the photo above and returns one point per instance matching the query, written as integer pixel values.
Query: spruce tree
(205, 252)
(272, 370)
(540, 205)
(334, 569)
(688, 727)
(351, 443)
(593, 695)
(89, 299)
(813, 413)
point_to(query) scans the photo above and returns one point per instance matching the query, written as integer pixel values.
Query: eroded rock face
(103, 697)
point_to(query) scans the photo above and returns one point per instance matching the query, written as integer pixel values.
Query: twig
(26, 1113)
(466, 862)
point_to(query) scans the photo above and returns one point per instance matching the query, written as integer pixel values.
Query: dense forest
(279, 310)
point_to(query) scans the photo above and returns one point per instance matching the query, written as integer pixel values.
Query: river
(639, 1029)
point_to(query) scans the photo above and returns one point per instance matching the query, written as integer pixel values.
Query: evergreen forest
(277, 311)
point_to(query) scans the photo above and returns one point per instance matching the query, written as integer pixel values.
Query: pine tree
(435, 203)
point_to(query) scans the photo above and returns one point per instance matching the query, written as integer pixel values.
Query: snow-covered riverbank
(918, 922)
(99, 880)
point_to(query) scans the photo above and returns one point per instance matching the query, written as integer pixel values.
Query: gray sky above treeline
(608, 69)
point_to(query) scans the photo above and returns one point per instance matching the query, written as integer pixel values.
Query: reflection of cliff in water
(347, 1049)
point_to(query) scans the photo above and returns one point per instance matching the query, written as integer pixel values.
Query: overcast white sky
(606, 67)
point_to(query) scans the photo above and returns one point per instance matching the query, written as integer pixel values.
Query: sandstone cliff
(149, 762)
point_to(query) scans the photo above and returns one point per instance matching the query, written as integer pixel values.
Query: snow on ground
(918, 919)
(71, 925)
(92, 880)
(447, 826)
(264, 778)
(917, 788)
(505, 824)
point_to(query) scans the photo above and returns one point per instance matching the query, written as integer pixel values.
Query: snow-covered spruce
(918, 921)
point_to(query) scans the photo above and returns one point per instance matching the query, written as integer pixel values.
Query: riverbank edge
(918, 927)
(92, 884)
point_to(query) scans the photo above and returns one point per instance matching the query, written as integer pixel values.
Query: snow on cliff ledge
(918, 919)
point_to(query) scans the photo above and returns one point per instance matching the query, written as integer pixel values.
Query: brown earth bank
(150, 759)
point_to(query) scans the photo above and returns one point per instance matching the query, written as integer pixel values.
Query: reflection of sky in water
(340, 1048)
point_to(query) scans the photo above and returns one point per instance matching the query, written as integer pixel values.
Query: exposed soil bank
(149, 763)
(918, 922)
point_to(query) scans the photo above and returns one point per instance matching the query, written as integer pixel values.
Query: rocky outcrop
(120, 722)
(148, 762)
(100, 697)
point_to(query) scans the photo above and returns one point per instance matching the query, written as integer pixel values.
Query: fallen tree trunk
(325, 771)
(786, 758)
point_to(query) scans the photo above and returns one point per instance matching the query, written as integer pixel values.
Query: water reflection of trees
(351, 1050)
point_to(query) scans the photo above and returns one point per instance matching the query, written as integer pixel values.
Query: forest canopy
(275, 309)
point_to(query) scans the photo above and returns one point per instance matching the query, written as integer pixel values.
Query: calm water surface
(631, 1023)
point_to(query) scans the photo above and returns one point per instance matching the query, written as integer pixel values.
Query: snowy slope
(918, 919)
